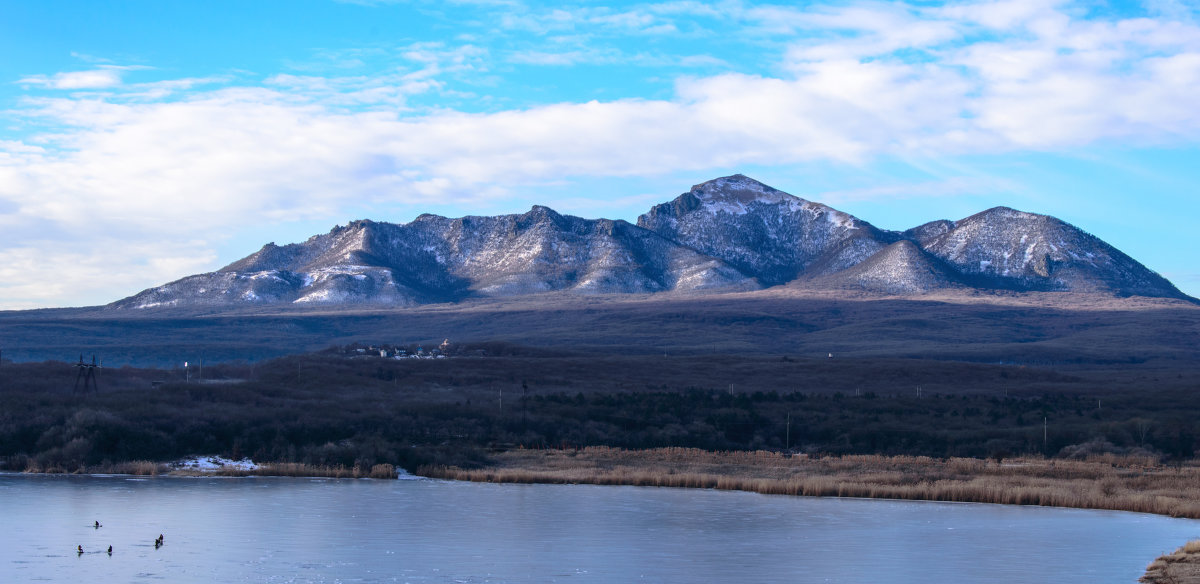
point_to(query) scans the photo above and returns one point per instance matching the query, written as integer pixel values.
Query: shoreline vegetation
(1138, 484)
(1180, 566)
(1110, 482)
(270, 469)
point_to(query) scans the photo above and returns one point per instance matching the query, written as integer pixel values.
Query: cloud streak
(94, 79)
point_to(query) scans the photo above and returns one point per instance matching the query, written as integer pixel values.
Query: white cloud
(565, 58)
(1004, 15)
(1171, 9)
(599, 19)
(94, 79)
(392, 90)
(47, 273)
(595, 209)
(690, 8)
(576, 52)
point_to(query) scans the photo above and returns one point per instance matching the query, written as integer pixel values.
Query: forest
(327, 409)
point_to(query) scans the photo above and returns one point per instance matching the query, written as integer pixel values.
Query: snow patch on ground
(213, 464)
(403, 475)
(325, 295)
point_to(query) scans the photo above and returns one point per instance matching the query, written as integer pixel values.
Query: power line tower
(87, 372)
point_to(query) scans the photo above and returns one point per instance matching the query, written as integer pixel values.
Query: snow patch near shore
(213, 464)
(403, 475)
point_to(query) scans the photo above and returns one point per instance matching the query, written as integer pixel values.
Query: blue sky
(144, 141)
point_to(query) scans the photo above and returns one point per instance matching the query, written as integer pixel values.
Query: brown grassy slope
(1180, 567)
(637, 371)
(1026, 328)
(1122, 484)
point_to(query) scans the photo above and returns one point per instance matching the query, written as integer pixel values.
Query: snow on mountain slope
(764, 232)
(438, 259)
(1038, 252)
(901, 268)
(731, 233)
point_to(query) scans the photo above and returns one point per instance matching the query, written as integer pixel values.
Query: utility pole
(1045, 432)
(88, 374)
(730, 390)
(789, 432)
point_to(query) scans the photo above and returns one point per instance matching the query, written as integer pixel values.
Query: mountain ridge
(728, 234)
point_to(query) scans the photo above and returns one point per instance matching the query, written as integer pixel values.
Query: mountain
(1026, 251)
(767, 233)
(728, 234)
(437, 259)
(901, 268)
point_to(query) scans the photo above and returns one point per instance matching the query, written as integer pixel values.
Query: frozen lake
(319, 530)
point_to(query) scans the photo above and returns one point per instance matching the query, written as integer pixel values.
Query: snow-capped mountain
(765, 232)
(901, 268)
(438, 259)
(1026, 251)
(731, 233)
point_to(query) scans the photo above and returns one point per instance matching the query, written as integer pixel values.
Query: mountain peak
(733, 179)
(540, 215)
(762, 231)
(1002, 213)
(732, 193)
(541, 211)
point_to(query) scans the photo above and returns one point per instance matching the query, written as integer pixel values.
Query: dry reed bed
(296, 469)
(1123, 484)
(1183, 565)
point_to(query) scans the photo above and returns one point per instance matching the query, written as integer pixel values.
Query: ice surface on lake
(277, 529)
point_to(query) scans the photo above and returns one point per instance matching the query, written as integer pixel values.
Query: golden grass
(132, 467)
(1115, 483)
(1183, 565)
(137, 467)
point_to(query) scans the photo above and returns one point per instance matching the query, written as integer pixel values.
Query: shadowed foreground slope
(1044, 329)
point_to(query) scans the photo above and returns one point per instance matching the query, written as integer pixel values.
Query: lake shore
(1107, 482)
(1136, 484)
(1180, 567)
(237, 469)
